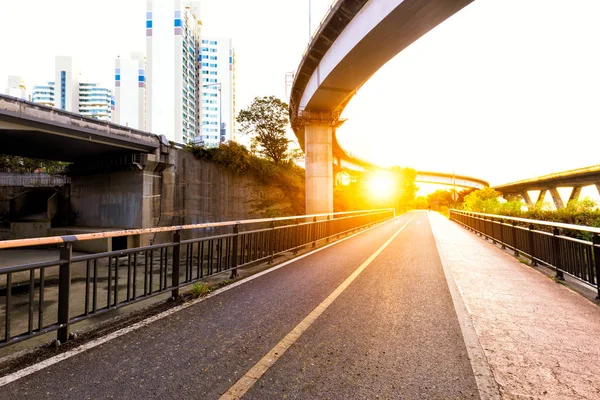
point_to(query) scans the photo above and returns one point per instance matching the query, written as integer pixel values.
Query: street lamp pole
(218, 84)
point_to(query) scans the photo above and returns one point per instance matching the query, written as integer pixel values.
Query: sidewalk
(541, 339)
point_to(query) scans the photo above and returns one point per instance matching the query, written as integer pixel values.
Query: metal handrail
(577, 258)
(10, 244)
(114, 279)
(582, 228)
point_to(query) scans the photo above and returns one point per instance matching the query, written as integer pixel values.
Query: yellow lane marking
(258, 370)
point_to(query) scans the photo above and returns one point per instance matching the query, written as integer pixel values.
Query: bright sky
(504, 90)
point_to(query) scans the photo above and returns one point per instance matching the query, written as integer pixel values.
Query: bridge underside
(32, 130)
(39, 144)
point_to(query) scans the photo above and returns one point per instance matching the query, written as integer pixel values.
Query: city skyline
(497, 68)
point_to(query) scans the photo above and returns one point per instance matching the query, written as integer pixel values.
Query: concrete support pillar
(527, 198)
(598, 187)
(557, 199)
(319, 167)
(541, 197)
(575, 193)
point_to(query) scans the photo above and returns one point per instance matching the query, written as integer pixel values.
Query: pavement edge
(487, 385)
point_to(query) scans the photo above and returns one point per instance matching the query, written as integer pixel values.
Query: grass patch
(200, 289)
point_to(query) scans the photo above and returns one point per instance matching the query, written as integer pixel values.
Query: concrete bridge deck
(388, 312)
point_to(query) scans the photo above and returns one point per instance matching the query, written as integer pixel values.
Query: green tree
(19, 164)
(266, 119)
(484, 200)
(440, 199)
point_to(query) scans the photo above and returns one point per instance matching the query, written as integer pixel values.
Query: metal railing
(32, 180)
(42, 297)
(562, 247)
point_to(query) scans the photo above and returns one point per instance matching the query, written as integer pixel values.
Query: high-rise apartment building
(217, 99)
(130, 91)
(71, 93)
(16, 87)
(66, 84)
(95, 101)
(172, 41)
(43, 94)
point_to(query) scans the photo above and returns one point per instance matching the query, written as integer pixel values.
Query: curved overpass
(441, 178)
(356, 38)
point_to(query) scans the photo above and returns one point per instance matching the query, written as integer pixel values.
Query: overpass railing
(32, 179)
(41, 297)
(566, 248)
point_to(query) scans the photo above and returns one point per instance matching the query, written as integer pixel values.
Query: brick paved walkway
(541, 339)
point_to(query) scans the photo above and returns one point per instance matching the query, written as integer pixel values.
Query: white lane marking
(258, 370)
(5, 380)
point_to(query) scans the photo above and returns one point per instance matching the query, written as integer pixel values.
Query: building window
(63, 90)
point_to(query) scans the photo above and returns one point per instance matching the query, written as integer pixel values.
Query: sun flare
(381, 185)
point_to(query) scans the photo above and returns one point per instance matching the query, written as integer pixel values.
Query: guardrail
(561, 247)
(91, 284)
(32, 180)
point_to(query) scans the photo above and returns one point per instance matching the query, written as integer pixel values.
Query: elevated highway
(575, 179)
(356, 38)
(32, 130)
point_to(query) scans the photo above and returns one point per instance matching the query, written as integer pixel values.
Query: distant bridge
(575, 179)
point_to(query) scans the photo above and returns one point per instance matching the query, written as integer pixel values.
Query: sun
(381, 185)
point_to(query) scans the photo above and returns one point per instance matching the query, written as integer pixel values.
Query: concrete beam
(527, 198)
(541, 197)
(557, 199)
(575, 193)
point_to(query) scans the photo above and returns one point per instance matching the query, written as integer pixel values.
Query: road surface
(392, 332)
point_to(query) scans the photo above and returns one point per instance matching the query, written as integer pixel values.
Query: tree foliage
(266, 120)
(24, 164)
(282, 184)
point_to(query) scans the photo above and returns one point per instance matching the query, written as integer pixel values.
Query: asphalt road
(393, 333)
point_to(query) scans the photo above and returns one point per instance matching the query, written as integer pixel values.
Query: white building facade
(15, 87)
(43, 94)
(95, 101)
(130, 91)
(172, 39)
(71, 93)
(217, 99)
(66, 84)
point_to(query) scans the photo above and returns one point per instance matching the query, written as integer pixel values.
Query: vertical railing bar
(88, 266)
(41, 299)
(129, 277)
(160, 270)
(116, 280)
(109, 291)
(31, 299)
(135, 262)
(95, 287)
(150, 278)
(8, 306)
